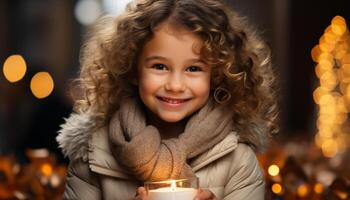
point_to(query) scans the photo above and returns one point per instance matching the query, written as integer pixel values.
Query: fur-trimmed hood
(75, 134)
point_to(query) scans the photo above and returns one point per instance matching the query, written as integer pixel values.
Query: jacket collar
(80, 138)
(74, 136)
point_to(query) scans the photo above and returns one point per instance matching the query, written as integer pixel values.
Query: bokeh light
(273, 170)
(87, 11)
(46, 169)
(276, 188)
(302, 190)
(338, 25)
(42, 85)
(318, 188)
(14, 68)
(115, 7)
(333, 94)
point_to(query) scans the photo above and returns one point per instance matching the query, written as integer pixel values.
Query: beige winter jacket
(230, 169)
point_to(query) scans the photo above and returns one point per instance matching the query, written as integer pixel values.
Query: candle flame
(173, 185)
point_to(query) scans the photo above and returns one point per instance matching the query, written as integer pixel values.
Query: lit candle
(174, 192)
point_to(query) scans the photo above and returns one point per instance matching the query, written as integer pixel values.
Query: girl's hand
(204, 194)
(141, 194)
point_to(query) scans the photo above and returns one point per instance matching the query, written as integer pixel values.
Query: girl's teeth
(173, 101)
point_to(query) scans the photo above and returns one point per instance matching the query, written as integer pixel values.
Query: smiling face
(174, 81)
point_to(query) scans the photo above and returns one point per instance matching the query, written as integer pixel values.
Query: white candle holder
(182, 189)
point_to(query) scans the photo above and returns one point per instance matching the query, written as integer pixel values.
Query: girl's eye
(159, 67)
(194, 69)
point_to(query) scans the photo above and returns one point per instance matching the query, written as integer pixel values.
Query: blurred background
(39, 52)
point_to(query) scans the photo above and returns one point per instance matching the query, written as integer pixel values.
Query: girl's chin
(172, 119)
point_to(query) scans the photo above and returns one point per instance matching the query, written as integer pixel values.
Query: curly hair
(241, 62)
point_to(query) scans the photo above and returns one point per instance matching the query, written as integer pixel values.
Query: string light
(333, 94)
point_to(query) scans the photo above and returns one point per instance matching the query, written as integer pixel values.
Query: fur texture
(74, 135)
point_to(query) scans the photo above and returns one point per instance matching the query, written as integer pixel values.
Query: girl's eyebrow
(195, 60)
(154, 58)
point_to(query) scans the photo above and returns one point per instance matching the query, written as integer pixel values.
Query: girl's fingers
(141, 191)
(204, 194)
(141, 194)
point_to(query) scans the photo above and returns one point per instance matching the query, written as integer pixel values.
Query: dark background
(48, 36)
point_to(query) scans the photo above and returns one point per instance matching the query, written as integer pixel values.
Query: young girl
(170, 89)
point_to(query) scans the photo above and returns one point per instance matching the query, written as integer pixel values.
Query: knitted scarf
(139, 147)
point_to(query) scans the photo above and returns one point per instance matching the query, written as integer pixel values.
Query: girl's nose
(175, 83)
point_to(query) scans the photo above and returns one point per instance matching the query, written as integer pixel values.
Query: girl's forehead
(177, 31)
(172, 43)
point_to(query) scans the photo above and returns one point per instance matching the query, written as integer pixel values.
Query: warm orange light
(338, 20)
(346, 69)
(318, 188)
(347, 92)
(338, 25)
(339, 54)
(329, 148)
(318, 93)
(330, 37)
(315, 53)
(326, 99)
(41, 85)
(326, 46)
(274, 170)
(342, 195)
(302, 190)
(333, 93)
(341, 105)
(276, 188)
(46, 169)
(14, 68)
(345, 59)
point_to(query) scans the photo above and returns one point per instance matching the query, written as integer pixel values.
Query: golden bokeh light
(326, 59)
(273, 170)
(346, 69)
(318, 188)
(347, 91)
(302, 190)
(345, 59)
(326, 46)
(329, 148)
(46, 169)
(315, 53)
(338, 20)
(338, 25)
(276, 188)
(332, 96)
(42, 85)
(14, 68)
(340, 53)
(330, 37)
(327, 99)
(318, 93)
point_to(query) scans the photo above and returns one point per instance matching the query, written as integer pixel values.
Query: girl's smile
(173, 102)
(174, 81)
